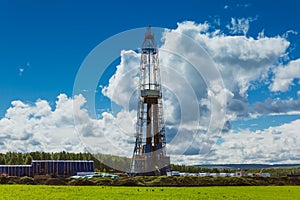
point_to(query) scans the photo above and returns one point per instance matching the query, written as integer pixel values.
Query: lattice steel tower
(150, 158)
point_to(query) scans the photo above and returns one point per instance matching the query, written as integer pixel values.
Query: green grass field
(97, 192)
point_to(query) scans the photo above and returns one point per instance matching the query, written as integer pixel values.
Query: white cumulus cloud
(125, 81)
(240, 59)
(284, 76)
(273, 145)
(35, 127)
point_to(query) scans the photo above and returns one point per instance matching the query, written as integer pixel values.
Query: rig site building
(54, 168)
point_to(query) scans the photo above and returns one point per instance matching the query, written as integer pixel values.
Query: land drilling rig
(149, 155)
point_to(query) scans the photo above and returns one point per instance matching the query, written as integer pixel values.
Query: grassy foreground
(115, 192)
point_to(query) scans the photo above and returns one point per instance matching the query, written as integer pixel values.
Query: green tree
(54, 156)
(28, 159)
(63, 156)
(19, 159)
(36, 155)
(215, 170)
(45, 156)
(2, 159)
(12, 159)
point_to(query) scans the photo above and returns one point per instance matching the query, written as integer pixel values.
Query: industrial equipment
(150, 158)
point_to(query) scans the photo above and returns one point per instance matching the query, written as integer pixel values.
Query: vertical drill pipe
(149, 134)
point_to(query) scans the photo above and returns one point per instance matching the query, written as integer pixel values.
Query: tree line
(109, 163)
(195, 169)
(274, 172)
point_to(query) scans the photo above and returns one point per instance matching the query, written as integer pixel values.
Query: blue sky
(44, 43)
(54, 37)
